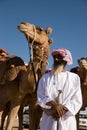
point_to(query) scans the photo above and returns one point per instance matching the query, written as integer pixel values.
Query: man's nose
(55, 59)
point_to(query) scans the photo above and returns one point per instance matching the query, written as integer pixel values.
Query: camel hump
(75, 70)
(8, 68)
(14, 60)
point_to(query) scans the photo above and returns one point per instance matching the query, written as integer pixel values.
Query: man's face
(59, 64)
(58, 60)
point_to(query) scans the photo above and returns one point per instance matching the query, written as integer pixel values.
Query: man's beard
(58, 67)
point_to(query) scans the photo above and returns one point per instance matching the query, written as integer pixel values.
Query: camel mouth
(22, 29)
(85, 66)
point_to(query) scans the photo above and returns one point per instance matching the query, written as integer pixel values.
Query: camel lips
(22, 29)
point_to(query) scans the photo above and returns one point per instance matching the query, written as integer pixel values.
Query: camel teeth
(23, 29)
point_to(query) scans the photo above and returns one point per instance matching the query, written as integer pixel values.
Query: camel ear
(50, 41)
(49, 30)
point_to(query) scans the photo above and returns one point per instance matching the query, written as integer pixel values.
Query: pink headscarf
(65, 53)
(3, 51)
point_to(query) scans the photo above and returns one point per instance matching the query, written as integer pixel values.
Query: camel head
(83, 70)
(83, 63)
(37, 37)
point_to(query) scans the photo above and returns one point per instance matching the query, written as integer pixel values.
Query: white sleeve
(75, 103)
(42, 96)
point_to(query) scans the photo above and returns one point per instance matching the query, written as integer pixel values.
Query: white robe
(71, 98)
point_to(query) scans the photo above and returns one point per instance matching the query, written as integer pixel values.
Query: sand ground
(15, 126)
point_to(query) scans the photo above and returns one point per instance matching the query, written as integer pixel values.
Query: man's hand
(51, 112)
(59, 109)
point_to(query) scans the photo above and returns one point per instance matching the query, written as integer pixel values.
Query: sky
(67, 18)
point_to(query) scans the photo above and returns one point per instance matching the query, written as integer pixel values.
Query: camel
(81, 70)
(14, 91)
(35, 111)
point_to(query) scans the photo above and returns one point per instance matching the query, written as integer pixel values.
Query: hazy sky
(68, 19)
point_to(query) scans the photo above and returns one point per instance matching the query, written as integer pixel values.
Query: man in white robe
(59, 90)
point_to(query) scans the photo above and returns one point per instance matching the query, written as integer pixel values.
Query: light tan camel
(13, 92)
(35, 111)
(81, 70)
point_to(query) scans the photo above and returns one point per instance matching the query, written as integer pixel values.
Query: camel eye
(39, 29)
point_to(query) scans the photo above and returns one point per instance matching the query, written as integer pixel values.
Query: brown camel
(81, 70)
(13, 92)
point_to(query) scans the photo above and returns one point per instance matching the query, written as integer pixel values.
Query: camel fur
(12, 65)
